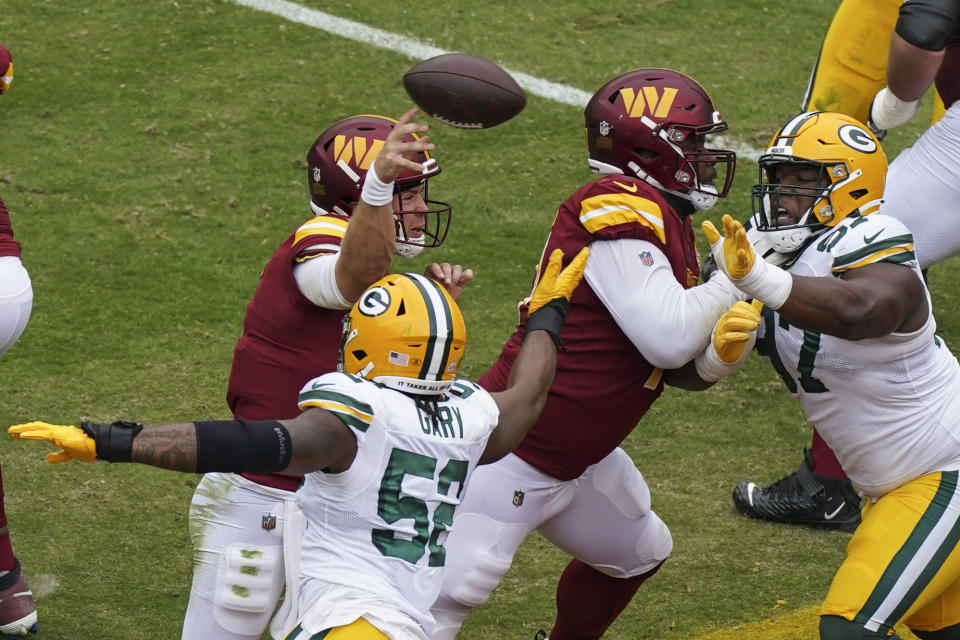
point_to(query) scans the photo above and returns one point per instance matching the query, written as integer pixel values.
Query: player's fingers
(58, 456)
(730, 225)
(709, 230)
(466, 276)
(573, 273)
(553, 267)
(30, 426)
(408, 116)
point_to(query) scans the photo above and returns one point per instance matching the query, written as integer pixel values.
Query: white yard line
(418, 50)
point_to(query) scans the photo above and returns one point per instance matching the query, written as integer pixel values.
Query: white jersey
(374, 544)
(923, 192)
(888, 407)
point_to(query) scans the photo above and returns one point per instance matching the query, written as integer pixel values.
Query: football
(464, 90)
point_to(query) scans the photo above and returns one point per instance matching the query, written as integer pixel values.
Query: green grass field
(152, 158)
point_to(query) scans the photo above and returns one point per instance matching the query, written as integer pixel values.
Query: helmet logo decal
(636, 103)
(316, 174)
(856, 138)
(356, 150)
(604, 128)
(374, 302)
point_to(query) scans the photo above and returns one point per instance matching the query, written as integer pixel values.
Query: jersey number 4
(392, 507)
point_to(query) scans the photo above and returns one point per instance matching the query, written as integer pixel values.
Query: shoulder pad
(861, 241)
(348, 397)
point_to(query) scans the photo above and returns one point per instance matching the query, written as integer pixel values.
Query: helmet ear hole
(402, 310)
(359, 354)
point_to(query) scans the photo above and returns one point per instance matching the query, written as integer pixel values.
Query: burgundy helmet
(652, 123)
(337, 164)
(6, 69)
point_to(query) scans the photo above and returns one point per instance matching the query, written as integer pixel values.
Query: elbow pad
(237, 446)
(926, 24)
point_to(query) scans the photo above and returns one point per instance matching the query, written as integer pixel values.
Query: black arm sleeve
(926, 24)
(237, 446)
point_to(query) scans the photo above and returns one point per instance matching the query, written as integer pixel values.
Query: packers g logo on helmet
(406, 333)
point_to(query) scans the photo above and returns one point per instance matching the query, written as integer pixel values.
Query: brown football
(464, 90)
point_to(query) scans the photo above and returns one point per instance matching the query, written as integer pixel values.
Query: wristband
(376, 192)
(889, 111)
(114, 441)
(550, 318)
(767, 283)
(711, 368)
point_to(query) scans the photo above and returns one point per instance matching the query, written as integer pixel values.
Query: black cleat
(803, 497)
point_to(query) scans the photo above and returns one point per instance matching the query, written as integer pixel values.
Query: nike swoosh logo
(632, 188)
(873, 237)
(830, 516)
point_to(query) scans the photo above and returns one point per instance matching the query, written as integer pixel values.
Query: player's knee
(653, 545)
(448, 617)
(837, 628)
(249, 581)
(473, 586)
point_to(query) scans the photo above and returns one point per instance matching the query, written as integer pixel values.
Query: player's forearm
(366, 249)
(533, 370)
(910, 69)
(835, 307)
(171, 446)
(195, 447)
(525, 396)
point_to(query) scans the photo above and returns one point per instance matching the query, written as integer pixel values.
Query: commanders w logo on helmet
(337, 165)
(653, 124)
(406, 333)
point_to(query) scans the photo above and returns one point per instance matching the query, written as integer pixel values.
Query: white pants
(603, 518)
(238, 529)
(16, 301)
(923, 190)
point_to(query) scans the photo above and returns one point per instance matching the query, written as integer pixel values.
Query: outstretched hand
(74, 444)
(400, 148)
(453, 277)
(732, 251)
(555, 283)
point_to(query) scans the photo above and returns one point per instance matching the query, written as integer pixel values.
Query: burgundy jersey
(8, 246)
(603, 385)
(287, 340)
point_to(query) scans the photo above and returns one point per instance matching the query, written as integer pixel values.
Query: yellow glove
(556, 283)
(735, 256)
(73, 442)
(733, 331)
(733, 337)
(732, 252)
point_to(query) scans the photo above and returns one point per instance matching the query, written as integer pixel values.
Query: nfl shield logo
(269, 522)
(646, 258)
(517, 498)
